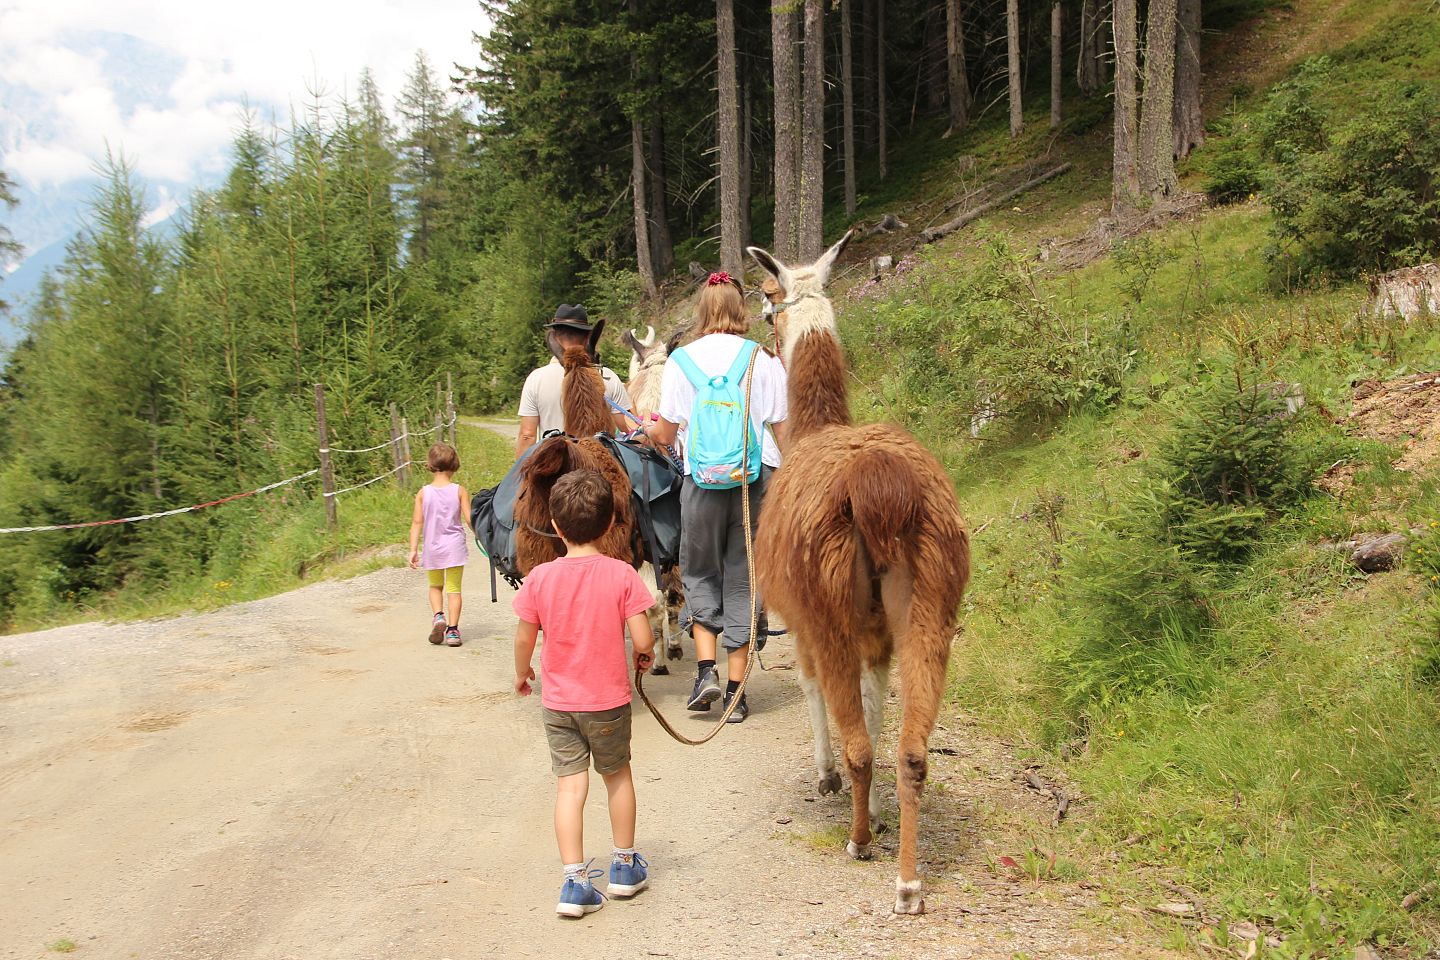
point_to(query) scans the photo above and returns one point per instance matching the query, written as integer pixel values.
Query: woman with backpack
(703, 392)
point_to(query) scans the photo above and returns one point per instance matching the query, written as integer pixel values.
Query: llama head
(806, 308)
(639, 346)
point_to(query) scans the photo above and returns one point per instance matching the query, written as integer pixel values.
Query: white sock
(575, 871)
(626, 855)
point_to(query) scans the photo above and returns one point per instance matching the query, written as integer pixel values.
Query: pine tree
(812, 154)
(1125, 187)
(728, 123)
(784, 27)
(959, 82)
(1012, 60)
(1189, 121)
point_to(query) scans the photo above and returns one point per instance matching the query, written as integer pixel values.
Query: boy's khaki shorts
(577, 735)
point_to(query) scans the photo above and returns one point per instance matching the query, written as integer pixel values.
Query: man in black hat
(540, 399)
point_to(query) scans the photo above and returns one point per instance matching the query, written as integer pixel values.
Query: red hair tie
(718, 278)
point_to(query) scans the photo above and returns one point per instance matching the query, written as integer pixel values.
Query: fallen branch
(1039, 784)
(945, 229)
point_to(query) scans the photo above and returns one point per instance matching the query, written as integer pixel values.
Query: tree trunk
(880, 121)
(1125, 184)
(1085, 57)
(935, 61)
(867, 78)
(644, 255)
(847, 90)
(1012, 53)
(784, 35)
(955, 67)
(1157, 112)
(1057, 23)
(747, 159)
(662, 247)
(812, 167)
(731, 259)
(1189, 122)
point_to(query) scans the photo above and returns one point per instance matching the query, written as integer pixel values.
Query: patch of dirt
(153, 722)
(1405, 412)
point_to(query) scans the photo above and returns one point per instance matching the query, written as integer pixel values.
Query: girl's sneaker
(452, 637)
(628, 879)
(578, 896)
(437, 629)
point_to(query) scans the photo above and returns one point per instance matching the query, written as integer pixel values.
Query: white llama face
(803, 289)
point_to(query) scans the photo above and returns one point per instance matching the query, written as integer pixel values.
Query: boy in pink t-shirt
(583, 601)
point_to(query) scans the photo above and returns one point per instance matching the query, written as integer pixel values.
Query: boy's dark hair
(582, 506)
(442, 458)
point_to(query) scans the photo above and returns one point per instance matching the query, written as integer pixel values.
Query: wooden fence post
(450, 408)
(327, 475)
(402, 473)
(439, 413)
(405, 445)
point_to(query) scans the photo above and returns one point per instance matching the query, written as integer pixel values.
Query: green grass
(282, 543)
(1286, 766)
(63, 945)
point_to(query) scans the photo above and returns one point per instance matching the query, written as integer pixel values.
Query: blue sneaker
(628, 879)
(578, 896)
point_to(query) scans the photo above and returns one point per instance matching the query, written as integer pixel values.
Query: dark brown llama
(586, 414)
(862, 550)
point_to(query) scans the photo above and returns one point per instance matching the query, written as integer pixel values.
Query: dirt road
(305, 777)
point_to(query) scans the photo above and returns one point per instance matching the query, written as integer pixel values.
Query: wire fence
(398, 444)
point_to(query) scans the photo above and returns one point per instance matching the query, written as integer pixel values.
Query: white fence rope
(163, 513)
(388, 473)
(378, 446)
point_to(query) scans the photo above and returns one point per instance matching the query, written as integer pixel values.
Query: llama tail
(885, 499)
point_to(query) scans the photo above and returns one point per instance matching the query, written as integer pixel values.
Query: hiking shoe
(578, 896)
(628, 879)
(437, 629)
(706, 692)
(741, 711)
(452, 637)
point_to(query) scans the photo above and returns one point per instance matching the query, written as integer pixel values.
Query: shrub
(986, 343)
(1233, 170)
(1351, 194)
(1230, 465)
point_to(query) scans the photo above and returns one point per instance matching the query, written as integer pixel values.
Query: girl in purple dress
(440, 511)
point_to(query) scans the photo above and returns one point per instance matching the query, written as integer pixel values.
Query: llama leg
(840, 679)
(828, 778)
(874, 687)
(924, 654)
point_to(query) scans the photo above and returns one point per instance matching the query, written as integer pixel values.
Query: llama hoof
(877, 826)
(909, 898)
(858, 851)
(659, 670)
(674, 653)
(829, 783)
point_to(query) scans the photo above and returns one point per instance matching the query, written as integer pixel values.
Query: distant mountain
(19, 288)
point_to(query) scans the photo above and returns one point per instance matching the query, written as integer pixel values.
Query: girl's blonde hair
(721, 309)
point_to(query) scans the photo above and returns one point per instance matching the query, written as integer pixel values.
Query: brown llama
(647, 364)
(862, 550)
(586, 414)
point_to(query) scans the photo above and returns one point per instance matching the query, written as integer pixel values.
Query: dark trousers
(712, 558)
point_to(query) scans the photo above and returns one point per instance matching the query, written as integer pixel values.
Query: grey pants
(712, 559)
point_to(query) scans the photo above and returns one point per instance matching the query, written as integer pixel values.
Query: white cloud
(172, 101)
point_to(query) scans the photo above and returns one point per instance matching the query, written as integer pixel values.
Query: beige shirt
(541, 394)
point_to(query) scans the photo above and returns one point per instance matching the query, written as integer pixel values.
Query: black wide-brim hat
(571, 316)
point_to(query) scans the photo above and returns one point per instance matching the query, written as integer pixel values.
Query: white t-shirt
(541, 394)
(714, 354)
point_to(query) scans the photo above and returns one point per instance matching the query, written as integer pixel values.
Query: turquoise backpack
(719, 425)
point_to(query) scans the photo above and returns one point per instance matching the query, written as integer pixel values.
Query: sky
(166, 81)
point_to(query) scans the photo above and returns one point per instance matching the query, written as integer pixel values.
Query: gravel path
(305, 777)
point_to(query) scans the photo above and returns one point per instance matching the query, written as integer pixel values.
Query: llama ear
(673, 343)
(774, 267)
(649, 340)
(636, 346)
(828, 258)
(593, 347)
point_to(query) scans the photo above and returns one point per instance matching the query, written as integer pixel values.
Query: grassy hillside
(1245, 713)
